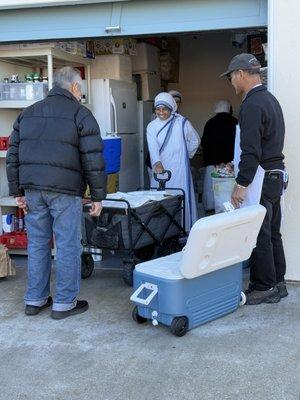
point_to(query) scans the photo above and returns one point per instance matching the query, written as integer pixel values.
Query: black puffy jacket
(56, 146)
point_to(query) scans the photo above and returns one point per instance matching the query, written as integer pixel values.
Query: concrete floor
(252, 354)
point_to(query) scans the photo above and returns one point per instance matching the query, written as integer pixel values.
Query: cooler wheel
(243, 299)
(179, 326)
(136, 317)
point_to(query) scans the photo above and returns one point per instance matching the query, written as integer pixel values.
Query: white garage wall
(203, 58)
(284, 34)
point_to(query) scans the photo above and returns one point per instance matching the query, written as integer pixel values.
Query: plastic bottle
(20, 219)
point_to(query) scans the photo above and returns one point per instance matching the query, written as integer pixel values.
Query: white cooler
(204, 281)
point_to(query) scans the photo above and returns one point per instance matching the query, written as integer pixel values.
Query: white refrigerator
(114, 105)
(145, 115)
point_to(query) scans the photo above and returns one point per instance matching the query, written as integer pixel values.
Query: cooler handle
(145, 302)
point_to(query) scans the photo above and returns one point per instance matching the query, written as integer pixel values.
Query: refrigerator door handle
(112, 102)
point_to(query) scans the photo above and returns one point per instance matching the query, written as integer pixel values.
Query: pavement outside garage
(252, 354)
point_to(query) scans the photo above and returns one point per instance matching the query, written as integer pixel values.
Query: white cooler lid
(164, 267)
(221, 240)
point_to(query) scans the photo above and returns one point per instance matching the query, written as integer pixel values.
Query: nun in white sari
(172, 141)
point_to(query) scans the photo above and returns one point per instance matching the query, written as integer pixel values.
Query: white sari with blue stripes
(173, 142)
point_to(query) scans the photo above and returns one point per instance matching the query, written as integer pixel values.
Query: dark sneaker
(281, 286)
(263, 296)
(81, 307)
(34, 310)
(250, 289)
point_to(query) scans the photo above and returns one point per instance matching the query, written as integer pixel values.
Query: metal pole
(50, 71)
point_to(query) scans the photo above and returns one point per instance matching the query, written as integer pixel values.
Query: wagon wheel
(127, 272)
(145, 253)
(87, 265)
(169, 246)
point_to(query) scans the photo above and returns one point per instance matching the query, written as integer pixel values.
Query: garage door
(129, 18)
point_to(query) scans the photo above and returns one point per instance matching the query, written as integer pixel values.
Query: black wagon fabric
(113, 231)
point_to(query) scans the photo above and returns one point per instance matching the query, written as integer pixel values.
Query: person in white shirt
(172, 141)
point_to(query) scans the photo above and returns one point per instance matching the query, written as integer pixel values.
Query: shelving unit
(44, 57)
(16, 104)
(27, 59)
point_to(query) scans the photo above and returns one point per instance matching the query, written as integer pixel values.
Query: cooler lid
(221, 240)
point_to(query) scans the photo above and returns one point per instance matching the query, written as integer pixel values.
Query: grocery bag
(6, 267)
(223, 188)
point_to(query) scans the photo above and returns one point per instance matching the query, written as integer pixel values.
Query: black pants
(267, 262)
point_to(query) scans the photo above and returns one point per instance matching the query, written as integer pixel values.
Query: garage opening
(122, 77)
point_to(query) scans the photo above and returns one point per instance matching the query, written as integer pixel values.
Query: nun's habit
(173, 142)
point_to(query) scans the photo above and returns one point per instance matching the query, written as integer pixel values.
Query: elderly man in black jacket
(262, 139)
(55, 150)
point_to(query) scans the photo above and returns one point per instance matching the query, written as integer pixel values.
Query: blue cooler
(204, 281)
(112, 154)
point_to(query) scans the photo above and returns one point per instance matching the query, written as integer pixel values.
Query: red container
(14, 240)
(4, 142)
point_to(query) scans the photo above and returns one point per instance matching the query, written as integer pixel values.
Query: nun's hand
(158, 168)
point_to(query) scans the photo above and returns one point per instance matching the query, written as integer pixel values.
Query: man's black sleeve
(251, 124)
(12, 161)
(91, 148)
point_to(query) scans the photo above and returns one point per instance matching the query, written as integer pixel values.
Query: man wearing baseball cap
(262, 139)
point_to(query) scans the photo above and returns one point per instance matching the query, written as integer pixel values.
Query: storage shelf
(16, 104)
(18, 252)
(24, 252)
(37, 57)
(3, 153)
(8, 201)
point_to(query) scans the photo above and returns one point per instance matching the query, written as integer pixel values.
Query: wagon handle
(145, 302)
(162, 181)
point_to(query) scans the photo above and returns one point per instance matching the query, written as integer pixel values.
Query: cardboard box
(115, 46)
(77, 47)
(150, 85)
(112, 66)
(147, 59)
(73, 47)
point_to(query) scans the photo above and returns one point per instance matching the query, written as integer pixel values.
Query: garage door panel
(133, 17)
(55, 22)
(160, 16)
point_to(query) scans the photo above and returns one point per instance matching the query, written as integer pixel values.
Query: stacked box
(112, 66)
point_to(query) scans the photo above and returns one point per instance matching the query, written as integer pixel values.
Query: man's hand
(238, 196)
(158, 168)
(21, 203)
(96, 209)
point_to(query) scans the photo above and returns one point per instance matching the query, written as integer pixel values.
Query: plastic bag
(223, 188)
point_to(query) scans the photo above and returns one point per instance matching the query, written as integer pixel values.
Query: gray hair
(222, 106)
(255, 71)
(64, 77)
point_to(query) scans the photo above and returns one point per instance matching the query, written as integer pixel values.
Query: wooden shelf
(8, 201)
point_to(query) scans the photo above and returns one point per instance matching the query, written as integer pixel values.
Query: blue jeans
(55, 214)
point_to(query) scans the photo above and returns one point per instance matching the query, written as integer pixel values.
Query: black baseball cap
(244, 61)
